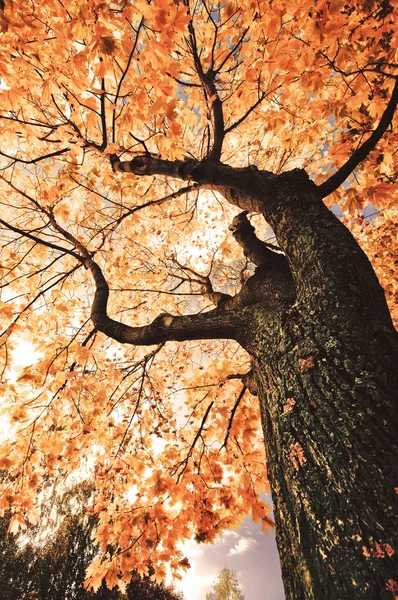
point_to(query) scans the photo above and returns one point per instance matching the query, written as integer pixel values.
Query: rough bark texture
(331, 434)
(324, 351)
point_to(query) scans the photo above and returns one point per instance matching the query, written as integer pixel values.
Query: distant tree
(54, 569)
(226, 587)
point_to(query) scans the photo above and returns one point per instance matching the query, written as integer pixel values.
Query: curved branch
(184, 463)
(362, 152)
(124, 73)
(165, 328)
(35, 160)
(246, 114)
(231, 418)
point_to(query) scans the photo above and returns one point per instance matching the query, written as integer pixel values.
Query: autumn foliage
(48, 561)
(170, 432)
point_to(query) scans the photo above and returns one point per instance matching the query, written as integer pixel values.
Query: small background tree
(226, 587)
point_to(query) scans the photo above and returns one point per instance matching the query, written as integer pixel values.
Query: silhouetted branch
(212, 96)
(361, 153)
(244, 233)
(231, 418)
(38, 240)
(34, 160)
(197, 436)
(124, 73)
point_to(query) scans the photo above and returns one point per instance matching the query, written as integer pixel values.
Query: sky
(248, 552)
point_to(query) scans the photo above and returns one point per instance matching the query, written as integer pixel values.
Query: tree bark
(327, 398)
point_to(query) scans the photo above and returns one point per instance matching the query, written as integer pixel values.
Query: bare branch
(184, 463)
(119, 86)
(43, 291)
(185, 83)
(247, 113)
(33, 123)
(103, 117)
(232, 50)
(261, 97)
(231, 418)
(35, 160)
(212, 96)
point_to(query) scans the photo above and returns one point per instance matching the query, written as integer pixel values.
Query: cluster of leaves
(49, 561)
(170, 434)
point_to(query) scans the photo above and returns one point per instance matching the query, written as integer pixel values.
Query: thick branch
(218, 119)
(244, 233)
(242, 187)
(150, 165)
(164, 328)
(363, 151)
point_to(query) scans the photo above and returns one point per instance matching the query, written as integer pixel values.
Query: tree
(50, 561)
(226, 587)
(105, 109)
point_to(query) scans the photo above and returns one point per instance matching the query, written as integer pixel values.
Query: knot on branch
(114, 161)
(241, 223)
(138, 165)
(162, 321)
(218, 298)
(88, 263)
(248, 381)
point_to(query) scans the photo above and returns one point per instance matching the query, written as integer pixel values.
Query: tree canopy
(124, 128)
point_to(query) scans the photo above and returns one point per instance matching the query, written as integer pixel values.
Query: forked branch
(211, 93)
(39, 240)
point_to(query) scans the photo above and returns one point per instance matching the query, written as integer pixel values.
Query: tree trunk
(327, 387)
(331, 437)
(316, 324)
